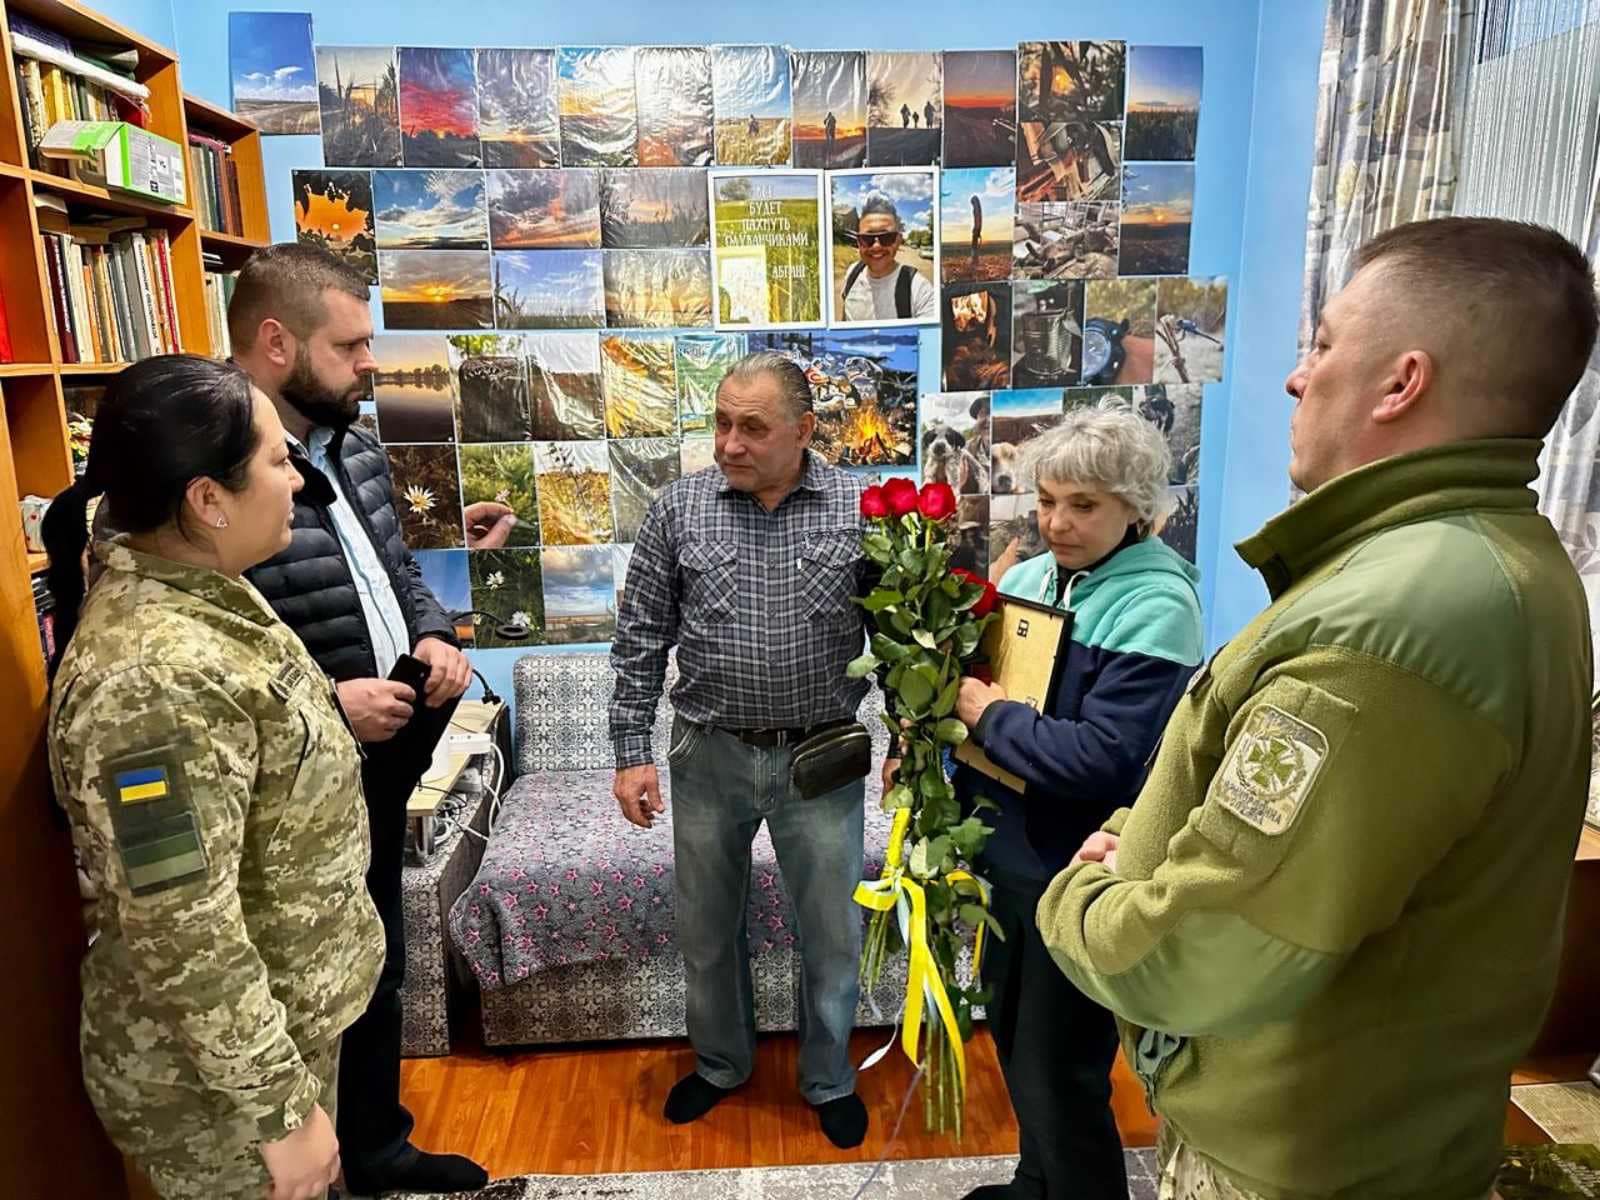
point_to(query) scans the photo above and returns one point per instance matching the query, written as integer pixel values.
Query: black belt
(768, 738)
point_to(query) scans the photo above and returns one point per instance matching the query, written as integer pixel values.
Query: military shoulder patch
(153, 822)
(1270, 770)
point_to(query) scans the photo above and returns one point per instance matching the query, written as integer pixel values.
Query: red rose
(991, 594)
(937, 502)
(986, 602)
(982, 672)
(901, 497)
(872, 503)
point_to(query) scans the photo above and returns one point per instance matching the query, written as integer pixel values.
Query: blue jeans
(722, 790)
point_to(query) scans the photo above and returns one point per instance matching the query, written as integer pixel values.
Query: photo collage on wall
(572, 244)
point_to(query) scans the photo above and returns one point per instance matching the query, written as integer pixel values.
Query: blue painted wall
(153, 19)
(1254, 158)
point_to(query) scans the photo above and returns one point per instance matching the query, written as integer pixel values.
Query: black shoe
(418, 1171)
(692, 1097)
(844, 1120)
(992, 1191)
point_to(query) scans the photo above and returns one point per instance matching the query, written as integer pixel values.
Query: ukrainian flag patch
(147, 783)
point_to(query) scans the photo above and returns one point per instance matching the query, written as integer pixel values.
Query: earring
(222, 522)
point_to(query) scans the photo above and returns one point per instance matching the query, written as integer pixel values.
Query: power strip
(471, 743)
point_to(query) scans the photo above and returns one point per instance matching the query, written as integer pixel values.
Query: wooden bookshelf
(53, 1138)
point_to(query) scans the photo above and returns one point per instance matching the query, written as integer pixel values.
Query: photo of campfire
(865, 384)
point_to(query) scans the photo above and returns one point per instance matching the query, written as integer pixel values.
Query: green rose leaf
(899, 796)
(946, 704)
(967, 638)
(915, 691)
(902, 621)
(860, 668)
(938, 609)
(976, 915)
(880, 599)
(888, 649)
(952, 731)
(925, 639)
(937, 849)
(919, 858)
(969, 837)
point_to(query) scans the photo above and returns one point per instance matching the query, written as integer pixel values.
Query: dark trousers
(1056, 1047)
(374, 1127)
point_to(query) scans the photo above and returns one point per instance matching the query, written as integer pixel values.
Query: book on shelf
(111, 288)
(219, 292)
(58, 80)
(216, 177)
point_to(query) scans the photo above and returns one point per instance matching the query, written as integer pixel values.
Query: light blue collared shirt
(386, 619)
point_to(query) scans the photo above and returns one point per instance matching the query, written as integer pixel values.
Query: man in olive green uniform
(215, 795)
(1330, 924)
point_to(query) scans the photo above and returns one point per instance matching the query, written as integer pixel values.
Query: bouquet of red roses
(930, 621)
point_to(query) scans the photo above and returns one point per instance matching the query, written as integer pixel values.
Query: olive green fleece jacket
(1337, 911)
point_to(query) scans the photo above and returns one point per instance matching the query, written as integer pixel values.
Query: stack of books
(58, 81)
(219, 292)
(111, 288)
(216, 179)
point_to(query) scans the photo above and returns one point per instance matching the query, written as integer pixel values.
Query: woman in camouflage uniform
(215, 799)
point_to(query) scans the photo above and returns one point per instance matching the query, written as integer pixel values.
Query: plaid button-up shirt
(757, 602)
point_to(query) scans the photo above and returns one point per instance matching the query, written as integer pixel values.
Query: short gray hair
(879, 205)
(792, 382)
(1110, 448)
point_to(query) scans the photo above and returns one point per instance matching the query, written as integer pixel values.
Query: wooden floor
(597, 1109)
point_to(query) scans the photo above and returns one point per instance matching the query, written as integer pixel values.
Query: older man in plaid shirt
(749, 568)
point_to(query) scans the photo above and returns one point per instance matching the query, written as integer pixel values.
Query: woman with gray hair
(1133, 640)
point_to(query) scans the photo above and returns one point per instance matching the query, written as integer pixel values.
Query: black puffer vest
(310, 586)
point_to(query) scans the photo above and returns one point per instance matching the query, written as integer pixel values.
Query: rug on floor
(910, 1179)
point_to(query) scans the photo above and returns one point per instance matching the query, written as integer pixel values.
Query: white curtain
(1531, 151)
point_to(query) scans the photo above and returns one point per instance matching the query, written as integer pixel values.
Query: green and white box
(117, 155)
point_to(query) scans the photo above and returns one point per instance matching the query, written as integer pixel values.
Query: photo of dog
(1019, 417)
(955, 441)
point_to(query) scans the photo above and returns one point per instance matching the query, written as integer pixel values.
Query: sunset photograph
(436, 289)
(674, 98)
(1163, 102)
(980, 108)
(517, 119)
(598, 104)
(976, 208)
(359, 96)
(1071, 81)
(414, 387)
(439, 108)
(549, 289)
(750, 88)
(653, 208)
(430, 210)
(830, 83)
(905, 102)
(1157, 212)
(539, 210)
(333, 211)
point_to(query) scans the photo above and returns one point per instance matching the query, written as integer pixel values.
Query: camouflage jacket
(215, 797)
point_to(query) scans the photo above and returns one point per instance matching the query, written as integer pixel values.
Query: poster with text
(766, 249)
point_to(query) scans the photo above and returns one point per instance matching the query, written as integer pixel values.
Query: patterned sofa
(568, 923)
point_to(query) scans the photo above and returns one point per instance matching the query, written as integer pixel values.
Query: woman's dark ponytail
(161, 424)
(66, 535)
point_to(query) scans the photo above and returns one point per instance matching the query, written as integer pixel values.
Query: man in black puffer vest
(348, 586)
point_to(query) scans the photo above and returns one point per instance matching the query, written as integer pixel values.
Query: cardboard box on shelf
(115, 154)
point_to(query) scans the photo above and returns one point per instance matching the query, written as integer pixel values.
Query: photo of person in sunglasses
(891, 281)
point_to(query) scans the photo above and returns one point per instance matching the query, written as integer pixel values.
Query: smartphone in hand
(412, 672)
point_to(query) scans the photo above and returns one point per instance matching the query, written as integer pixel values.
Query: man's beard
(318, 404)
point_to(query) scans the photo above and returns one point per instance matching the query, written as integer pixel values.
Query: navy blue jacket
(1135, 640)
